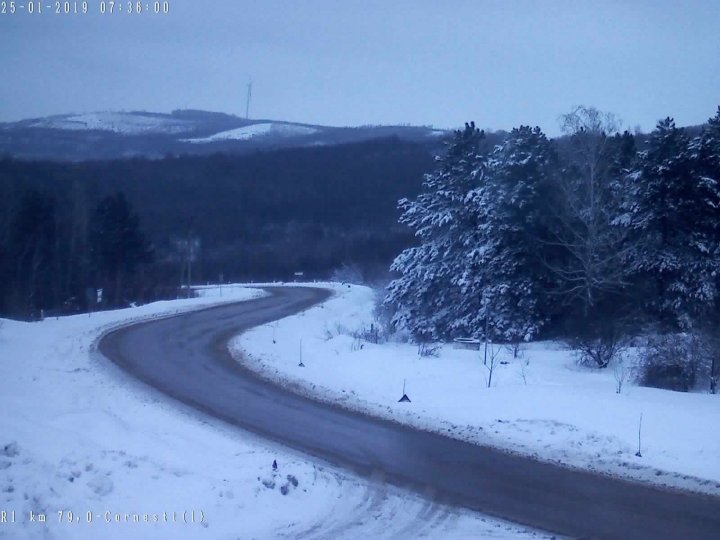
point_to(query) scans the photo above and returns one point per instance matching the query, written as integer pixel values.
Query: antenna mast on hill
(247, 104)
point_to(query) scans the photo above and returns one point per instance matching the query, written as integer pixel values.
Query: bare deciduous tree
(492, 360)
(592, 243)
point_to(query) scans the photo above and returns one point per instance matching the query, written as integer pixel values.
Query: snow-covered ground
(79, 435)
(257, 130)
(541, 404)
(118, 122)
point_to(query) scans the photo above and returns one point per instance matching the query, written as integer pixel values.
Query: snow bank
(92, 451)
(541, 404)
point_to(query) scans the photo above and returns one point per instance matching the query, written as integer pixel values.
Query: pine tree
(674, 215)
(480, 221)
(426, 294)
(505, 284)
(31, 250)
(117, 247)
(704, 153)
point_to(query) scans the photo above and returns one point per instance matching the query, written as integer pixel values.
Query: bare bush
(371, 334)
(348, 273)
(621, 372)
(383, 314)
(597, 351)
(671, 362)
(600, 338)
(707, 335)
(426, 350)
(515, 348)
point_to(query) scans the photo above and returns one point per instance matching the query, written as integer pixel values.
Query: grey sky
(500, 63)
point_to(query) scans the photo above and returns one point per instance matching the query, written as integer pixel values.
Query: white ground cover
(542, 404)
(79, 435)
(127, 123)
(256, 130)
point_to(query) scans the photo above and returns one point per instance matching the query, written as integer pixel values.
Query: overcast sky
(346, 62)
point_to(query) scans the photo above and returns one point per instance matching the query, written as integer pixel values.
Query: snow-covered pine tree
(674, 215)
(705, 155)
(425, 296)
(705, 162)
(704, 317)
(503, 281)
(623, 160)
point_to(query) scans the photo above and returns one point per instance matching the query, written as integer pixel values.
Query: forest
(586, 237)
(140, 229)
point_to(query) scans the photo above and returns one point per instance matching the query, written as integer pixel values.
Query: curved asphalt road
(187, 358)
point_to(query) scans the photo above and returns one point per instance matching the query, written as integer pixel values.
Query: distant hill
(111, 135)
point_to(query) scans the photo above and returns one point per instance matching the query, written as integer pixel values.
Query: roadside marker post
(404, 398)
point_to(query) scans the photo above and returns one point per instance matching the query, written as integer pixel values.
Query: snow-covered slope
(541, 404)
(99, 455)
(257, 130)
(124, 123)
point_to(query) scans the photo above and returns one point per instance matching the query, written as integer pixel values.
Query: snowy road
(186, 357)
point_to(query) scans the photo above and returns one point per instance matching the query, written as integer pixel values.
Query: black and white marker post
(404, 398)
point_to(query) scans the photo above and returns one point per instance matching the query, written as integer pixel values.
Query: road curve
(186, 357)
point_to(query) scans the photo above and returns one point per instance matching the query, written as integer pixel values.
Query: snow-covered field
(78, 435)
(541, 404)
(257, 130)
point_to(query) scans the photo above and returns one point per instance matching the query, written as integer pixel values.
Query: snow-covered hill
(111, 134)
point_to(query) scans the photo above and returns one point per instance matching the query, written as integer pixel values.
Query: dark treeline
(139, 229)
(587, 236)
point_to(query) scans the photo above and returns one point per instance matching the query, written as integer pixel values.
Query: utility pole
(247, 104)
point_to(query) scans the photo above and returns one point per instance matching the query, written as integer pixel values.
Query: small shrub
(670, 362)
(515, 348)
(600, 334)
(371, 334)
(348, 273)
(596, 352)
(597, 342)
(336, 330)
(621, 372)
(384, 315)
(709, 337)
(426, 350)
